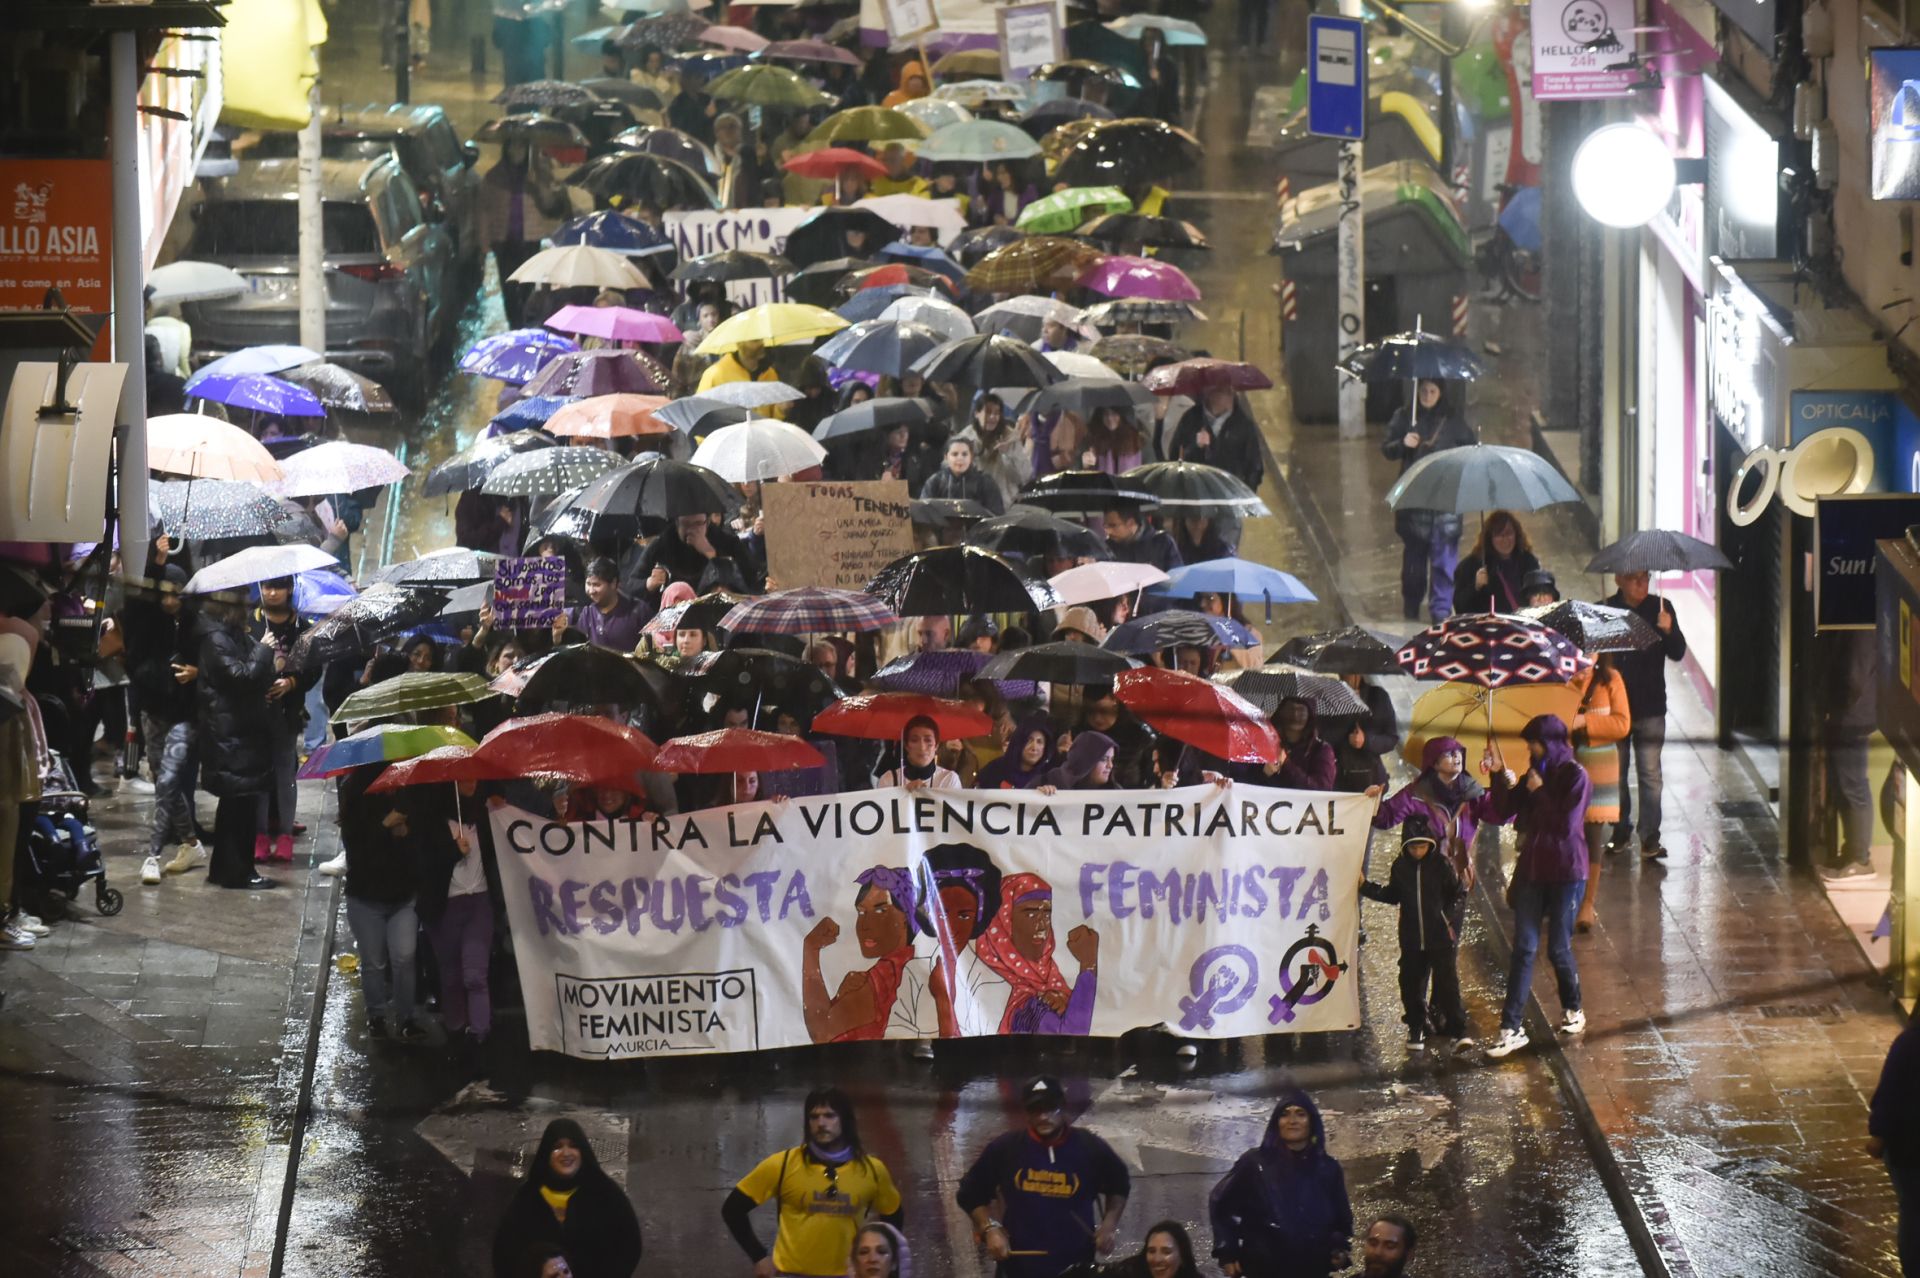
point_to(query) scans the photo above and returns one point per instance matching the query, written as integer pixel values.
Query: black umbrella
(987, 360)
(456, 566)
(658, 139)
(624, 91)
(1657, 550)
(1084, 492)
(545, 95)
(1268, 688)
(584, 674)
(815, 285)
(668, 31)
(970, 246)
(642, 497)
(1030, 531)
(732, 264)
(951, 579)
(376, 613)
(701, 613)
(640, 177)
(877, 414)
(542, 130)
(749, 676)
(1140, 228)
(824, 235)
(1126, 153)
(470, 467)
(1144, 310)
(1406, 356)
(1596, 628)
(1083, 395)
(1196, 488)
(1078, 663)
(938, 512)
(887, 347)
(1048, 116)
(1350, 650)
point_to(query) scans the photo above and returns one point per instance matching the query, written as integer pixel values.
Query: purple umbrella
(260, 393)
(602, 372)
(1141, 277)
(940, 674)
(515, 356)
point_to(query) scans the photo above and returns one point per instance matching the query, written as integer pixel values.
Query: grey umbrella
(1481, 477)
(1657, 550)
(550, 470)
(1267, 688)
(1596, 628)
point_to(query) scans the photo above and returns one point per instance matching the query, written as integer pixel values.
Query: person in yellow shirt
(827, 1187)
(746, 363)
(900, 178)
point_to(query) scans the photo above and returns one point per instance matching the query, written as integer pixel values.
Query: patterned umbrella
(1145, 310)
(1147, 277)
(1492, 650)
(1175, 628)
(1196, 488)
(470, 467)
(1352, 650)
(1268, 688)
(342, 388)
(215, 509)
(732, 264)
(382, 743)
(1036, 264)
(663, 31)
(515, 356)
(1063, 211)
(1201, 714)
(604, 372)
(207, 448)
(954, 579)
(339, 467)
(545, 95)
(810, 610)
(1596, 628)
(548, 471)
(450, 564)
(376, 613)
(410, 693)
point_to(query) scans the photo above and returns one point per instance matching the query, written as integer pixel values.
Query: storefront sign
(1845, 530)
(1030, 38)
(1743, 181)
(1897, 621)
(836, 535)
(1736, 386)
(1218, 913)
(1583, 48)
(1871, 412)
(56, 231)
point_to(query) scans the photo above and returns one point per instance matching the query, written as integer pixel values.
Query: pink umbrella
(616, 323)
(735, 38)
(1140, 277)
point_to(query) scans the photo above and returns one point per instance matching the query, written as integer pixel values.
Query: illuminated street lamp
(1623, 174)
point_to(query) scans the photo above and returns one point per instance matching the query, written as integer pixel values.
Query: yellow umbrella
(864, 124)
(775, 323)
(1472, 715)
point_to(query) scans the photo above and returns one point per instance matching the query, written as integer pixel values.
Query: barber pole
(1459, 314)
(1289, 301)
(1282, 192)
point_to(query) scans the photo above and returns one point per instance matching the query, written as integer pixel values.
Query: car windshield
(270, 228)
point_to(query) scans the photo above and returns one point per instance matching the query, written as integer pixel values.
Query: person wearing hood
(1549, 879)
(1088, 766)
(1361, 742)
(162, 650)
(1061, 1190)
(1283, 1212)
(1433, 909)
(233, 736)
(1029, 756)
(1453, 804)
(567, 1200)
(1306, 762)
(909, 85)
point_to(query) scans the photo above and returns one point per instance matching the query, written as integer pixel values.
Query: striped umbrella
(1037, 264)
(383, 743)
(809, 610)
(411, 693)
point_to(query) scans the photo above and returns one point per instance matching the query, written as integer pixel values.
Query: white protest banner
(1030, 38)
(1219, 912)
(698, 233)
(1583, 48)
(836, 535)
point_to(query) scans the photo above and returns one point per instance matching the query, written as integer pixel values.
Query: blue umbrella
(258, 392)
(532, 411)
(933, 259)
(516, 355)
(319, 591)
(259, 359)
(869, 302)
(1175, 628)
(1236, 577)
(614, 230)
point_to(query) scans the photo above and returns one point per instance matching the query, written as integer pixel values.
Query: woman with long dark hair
(1167, 1253)
(567, 1201)
(1493, 577)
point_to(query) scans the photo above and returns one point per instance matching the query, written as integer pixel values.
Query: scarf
(1028, 979)
(915, 772)
(832, 1157)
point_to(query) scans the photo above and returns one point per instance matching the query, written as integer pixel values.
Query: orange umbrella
(607, 416)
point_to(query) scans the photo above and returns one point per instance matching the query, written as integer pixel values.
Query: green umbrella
(979, 141)
(864, 124)
(767, 86)
(1064, 211)
(414, 691)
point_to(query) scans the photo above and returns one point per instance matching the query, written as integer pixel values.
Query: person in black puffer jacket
(163, 648)
(1433, 909)
(231, 730)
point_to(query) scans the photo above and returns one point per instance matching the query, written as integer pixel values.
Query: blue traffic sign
(1336, 77)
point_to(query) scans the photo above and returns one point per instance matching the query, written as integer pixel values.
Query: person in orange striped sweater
(1602, 721)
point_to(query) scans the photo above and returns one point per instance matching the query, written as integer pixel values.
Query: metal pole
(129, 292)
(402, 53)
(313, 271)
(1352, 274)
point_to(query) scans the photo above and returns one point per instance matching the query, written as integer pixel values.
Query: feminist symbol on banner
(1319, 966)
(1223, 979)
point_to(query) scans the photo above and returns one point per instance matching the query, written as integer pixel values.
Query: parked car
(390, 291)
(422, 139)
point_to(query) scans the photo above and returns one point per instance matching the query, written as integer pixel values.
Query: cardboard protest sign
(528, 593)
(836, 535)
(1217, 912)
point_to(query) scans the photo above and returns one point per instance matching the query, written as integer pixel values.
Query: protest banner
(698, 233)
(836, 535)
(528, 592)
(1218, 912)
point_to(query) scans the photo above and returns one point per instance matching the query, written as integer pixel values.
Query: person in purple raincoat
(1453, 803)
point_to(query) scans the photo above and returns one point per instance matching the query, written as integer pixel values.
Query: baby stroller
(62, 848)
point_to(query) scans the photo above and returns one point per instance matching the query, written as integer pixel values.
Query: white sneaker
(138, 785)
(1509, 1042)
(15, 937)
(1416, 1041)
(1463, 1045)
(150, 870)
(336, 866)
(1574, 1022)
(32, 923)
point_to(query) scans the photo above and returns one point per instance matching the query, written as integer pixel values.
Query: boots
(283, 848)
(262, 848)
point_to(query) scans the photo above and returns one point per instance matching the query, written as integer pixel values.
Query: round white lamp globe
(1622, 175)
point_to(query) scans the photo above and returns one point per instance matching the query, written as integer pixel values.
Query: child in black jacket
(1432, 909)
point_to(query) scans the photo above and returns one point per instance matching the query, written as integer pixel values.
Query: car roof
(376, 121)
(279, 179)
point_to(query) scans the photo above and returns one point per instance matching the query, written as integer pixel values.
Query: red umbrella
(736, 750)
(830, 162)
(1205, 715)
(581, 748)
(1195, 376)
(448, 763)
(884, 716)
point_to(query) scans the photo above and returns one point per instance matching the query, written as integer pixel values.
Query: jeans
(1643, 744)
(277, 804)
(1851, 794)
(316, 733)
(1426, 571)
(462, 944)
(170, 755)
(1906, 1192)
(387, 936)
(1441, 966)
(1557, 902)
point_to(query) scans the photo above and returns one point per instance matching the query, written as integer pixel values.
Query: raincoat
(901, 93)
(1007, 772)
(1552, 819)
(600, 1235)
(1082, 757)
(1282, 1214)
(1455, 811)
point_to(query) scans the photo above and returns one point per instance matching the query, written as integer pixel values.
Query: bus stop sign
(1336, 77)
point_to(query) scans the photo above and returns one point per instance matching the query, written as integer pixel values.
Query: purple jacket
(1552, 819)
(1462, 818)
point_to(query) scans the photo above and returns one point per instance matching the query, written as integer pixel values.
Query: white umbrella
(757, 449)
(942, 317)
(579, 266)
(943, 216)
(1075, 364)
(338, 467)
(259, 563)
(753, 394)
(185, 281)
(207, 448)
(1109, 579)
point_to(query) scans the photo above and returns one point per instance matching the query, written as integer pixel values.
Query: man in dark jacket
(1062, 1190)
(162, 657)
(1645, 675)
(1219, 431)
(1283, 1211)
(686, 552)
(1430, 539)
(1893, 1134)
(1432, 908)
(1133, 541)
(231, 731)
(279, 626)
